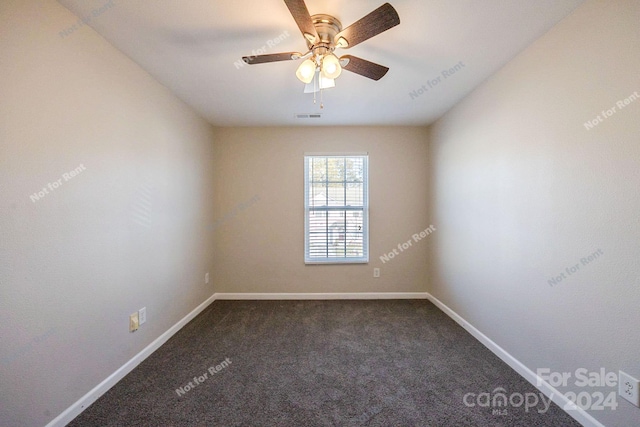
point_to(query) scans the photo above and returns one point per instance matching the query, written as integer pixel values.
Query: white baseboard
(556, 396)
(322, 296)
(76, 409)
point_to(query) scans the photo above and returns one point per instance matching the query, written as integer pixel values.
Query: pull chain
(314, 88)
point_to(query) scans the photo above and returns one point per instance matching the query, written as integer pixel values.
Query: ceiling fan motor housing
(327, 28)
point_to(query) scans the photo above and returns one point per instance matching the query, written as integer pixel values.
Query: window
(336, 209)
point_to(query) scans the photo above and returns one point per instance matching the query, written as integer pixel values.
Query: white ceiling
(191, 47)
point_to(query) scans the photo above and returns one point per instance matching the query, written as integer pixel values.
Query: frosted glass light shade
(322, 83)
(306, 71)
(331, 68)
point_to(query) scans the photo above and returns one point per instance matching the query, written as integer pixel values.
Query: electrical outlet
(142, 315)
(376, 272)
(628, 387)
(206, 278)
(133, 322)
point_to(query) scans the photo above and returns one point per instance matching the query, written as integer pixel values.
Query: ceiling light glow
(306, 71)
(331, 68)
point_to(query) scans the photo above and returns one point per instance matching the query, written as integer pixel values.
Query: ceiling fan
(324, 34)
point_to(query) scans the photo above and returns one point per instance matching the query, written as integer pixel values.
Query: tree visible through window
(336, 208)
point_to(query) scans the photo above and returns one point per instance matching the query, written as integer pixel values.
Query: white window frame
(364, 259)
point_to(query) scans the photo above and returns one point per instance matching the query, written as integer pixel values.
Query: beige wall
(128, 231)
(259, 245)
(522, 190)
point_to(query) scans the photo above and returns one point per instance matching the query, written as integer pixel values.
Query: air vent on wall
(308, 116)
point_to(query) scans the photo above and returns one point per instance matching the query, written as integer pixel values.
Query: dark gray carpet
(319, 363)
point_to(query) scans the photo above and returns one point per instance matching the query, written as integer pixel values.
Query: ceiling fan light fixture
(331, 68)
(306, 71)
(323, 34)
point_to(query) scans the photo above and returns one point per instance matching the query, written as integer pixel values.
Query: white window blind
(336, 209)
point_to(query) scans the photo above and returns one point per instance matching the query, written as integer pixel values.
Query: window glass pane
(354, 195)
(318, 195)
(318, 221)
(354, 245)
(318, 169)
(336, 194)
(335, 169)
(355, 169)
(354, 222)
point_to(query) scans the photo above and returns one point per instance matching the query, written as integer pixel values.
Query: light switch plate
(133, 322)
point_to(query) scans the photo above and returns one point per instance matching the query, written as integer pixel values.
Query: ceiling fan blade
(376, 22)
(363, 67)
(273, 57)
(300, 13)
